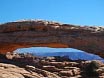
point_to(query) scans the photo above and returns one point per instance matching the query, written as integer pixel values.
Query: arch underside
(30, 34)
(10, 47)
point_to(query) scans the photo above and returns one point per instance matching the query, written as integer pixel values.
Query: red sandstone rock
(76, 72)
(20, 34)
(51, 68)
(67, 73)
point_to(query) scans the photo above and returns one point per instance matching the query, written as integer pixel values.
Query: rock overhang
(20, 34)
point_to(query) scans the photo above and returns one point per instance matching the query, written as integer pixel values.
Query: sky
(78, 12)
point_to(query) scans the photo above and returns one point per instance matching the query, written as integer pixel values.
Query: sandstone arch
(21, 34)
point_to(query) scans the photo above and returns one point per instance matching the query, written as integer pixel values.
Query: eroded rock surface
(29, 33)
(12, 71)
(28, 67)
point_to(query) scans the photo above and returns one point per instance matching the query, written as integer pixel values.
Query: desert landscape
(42, 33)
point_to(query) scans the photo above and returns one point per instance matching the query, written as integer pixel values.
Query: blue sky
(81, 12)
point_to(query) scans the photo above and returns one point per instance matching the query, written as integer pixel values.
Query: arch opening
(10, 47)
(71, 53)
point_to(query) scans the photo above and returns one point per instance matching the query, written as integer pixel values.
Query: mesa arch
(14, 35)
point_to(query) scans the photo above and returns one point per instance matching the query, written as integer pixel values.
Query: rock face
(12, 71)
(29, 33)
(44, 67)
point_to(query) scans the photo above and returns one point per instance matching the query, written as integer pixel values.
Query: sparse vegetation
(91, 68)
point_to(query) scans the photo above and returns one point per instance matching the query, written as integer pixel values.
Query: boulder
(7, 74)
(76, 72)
(51, 68)
(66, 73)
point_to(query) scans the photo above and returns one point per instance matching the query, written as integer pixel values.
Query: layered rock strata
(31, 33)
(27, 66)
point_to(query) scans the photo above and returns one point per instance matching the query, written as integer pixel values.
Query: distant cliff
(27, 33)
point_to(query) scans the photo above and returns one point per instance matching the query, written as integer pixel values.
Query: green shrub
(91, 68)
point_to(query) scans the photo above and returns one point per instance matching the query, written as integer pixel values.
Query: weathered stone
(8, 65)
(76, 72)
(56, 69)
(6, 74)
(43, 72)
(11, 71)
(66, 73)
(21, 34)
(50, 58)
(30, 67)
(46, 73)
(51, 68)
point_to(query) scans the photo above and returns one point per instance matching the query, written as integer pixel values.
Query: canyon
(33, 33)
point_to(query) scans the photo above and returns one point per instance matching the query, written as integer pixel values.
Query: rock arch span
(32, 33)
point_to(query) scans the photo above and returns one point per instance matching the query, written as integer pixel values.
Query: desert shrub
(90, 69)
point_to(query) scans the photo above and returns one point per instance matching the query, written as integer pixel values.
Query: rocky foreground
(28, 66)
